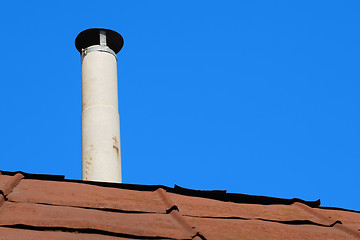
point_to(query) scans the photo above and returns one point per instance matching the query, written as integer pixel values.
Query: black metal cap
(91, 36)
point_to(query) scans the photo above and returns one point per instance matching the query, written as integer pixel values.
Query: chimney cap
(91, 36)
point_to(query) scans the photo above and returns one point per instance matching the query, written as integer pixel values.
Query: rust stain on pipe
(115, 145)
(117, 150)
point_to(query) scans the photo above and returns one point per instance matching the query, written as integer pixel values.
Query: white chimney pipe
(101, 157)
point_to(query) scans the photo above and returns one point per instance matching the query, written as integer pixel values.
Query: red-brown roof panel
(202, 207)
(85, 195)
(34, 206)
(21, 234)
(348, 219)
(235, 229)
(140, 224)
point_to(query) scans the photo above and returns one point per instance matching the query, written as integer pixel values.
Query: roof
(34, 206)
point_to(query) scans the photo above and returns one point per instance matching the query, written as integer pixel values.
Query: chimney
(100, 130)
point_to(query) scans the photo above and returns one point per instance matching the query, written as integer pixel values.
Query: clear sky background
(255, 97)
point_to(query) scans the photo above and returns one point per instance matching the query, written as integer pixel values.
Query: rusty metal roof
(34, 206)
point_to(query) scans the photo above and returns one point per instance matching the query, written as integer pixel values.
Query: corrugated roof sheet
(34, 206)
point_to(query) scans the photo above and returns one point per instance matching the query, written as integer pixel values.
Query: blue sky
(255, 97)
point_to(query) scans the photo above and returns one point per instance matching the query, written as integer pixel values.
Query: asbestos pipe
(101, 155)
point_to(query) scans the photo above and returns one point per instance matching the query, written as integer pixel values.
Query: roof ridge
(220, 195)
(338, 209)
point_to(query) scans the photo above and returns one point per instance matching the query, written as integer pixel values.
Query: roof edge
(220, 195)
